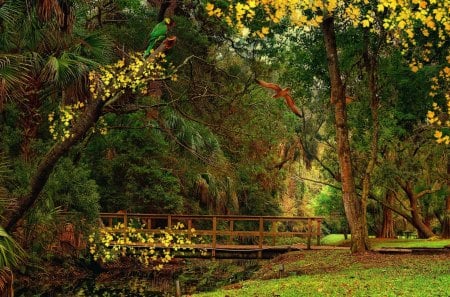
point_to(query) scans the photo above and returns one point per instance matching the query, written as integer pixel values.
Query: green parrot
(158, 33)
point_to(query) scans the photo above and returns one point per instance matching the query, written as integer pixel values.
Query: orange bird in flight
(279, 92)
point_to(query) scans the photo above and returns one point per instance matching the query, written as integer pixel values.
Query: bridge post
(149, 223)
(261, 236)
(189, 227)
(214, 237)
(274, 230)
(125, 220)
(231, 230)
(309, 233)
(169, 221)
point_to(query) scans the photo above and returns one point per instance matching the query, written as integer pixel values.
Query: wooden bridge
(228, 236)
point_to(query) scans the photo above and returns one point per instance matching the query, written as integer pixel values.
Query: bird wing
(290, 102)
(159, 29)
(268, 85)
(158, 33)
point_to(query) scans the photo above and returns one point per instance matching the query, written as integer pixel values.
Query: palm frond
(12, 77)
(195, 136)
(63, 70)
(93, 46)
(31, 32)
(218, 193)
(11, 253)
(9, 12)
(6, 201)
(6, 281)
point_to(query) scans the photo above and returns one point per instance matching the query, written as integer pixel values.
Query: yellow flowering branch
(149, 249)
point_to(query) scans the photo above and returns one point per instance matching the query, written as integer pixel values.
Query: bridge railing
(219, 228)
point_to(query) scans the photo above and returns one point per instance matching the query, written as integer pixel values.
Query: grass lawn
(409, 243)
(334, 239)
(338, 273)
(338, 240)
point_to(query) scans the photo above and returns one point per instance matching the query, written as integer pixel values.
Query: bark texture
(416, 218)
(446, 218)
(387, 229)
(354, 209)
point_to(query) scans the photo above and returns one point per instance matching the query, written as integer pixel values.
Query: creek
(193, 275)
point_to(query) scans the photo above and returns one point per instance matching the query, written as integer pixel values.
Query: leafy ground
(338, 273)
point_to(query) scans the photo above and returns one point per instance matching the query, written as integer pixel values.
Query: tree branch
(318, 182)
(397, 211)
(92, 113)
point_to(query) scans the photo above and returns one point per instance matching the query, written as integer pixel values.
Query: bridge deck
(225, 234)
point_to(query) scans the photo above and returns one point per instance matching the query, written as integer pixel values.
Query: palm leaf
(63, 70)
(9, 12)
(11, 254)
(93, 46)
(12, 77)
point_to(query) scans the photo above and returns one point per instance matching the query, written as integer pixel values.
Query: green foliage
(11, 253)
(329, 204)
(132, 168)
(152, 186)
(72, 189)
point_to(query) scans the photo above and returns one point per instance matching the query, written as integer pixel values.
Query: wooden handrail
(214, 231)
(235, 217)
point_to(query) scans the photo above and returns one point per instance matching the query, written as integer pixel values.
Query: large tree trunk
(387, 230)
(416, 217)
(354, 209)
(45, 168)
(446, 218)
(370, 63)
(30, 118)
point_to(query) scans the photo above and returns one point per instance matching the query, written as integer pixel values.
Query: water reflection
(194, 275)
(135, 287)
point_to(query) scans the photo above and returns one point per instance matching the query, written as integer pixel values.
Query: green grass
(410, 243)
(334, 239)
(338, 240)
(338, 273)
(369, 282)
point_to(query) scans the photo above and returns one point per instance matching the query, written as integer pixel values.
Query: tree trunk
(370, 64)
(45, 168)
(446, 218)
(29, 118)
(162, 10)
(387, 230)
(416, 217)
(354, 209)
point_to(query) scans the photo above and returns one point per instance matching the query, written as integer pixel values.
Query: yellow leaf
(365, 23)
(438, 134)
